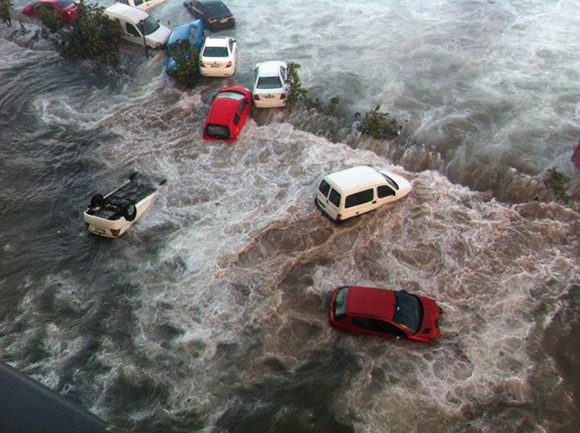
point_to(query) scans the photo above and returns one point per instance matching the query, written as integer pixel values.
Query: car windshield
(269, 83)
(230, 95)
(215, 52)
(391, 181)
(340, 303)
(409, 311)
(64, 3)
(150, 25)
(217, 131)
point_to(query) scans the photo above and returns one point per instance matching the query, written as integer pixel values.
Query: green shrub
(187, 65)
(92, 36)
(379, 125)
(299, 93)
(5, 12)
(559, 184)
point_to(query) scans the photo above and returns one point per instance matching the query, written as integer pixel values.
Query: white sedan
(271, 84)
(217, 57)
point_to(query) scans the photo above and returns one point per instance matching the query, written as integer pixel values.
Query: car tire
(97, 201)
(130, 211)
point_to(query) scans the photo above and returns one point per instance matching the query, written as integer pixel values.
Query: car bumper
(214, 72)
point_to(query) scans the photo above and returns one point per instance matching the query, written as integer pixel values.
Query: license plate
(224, 20)
(215, 65)
(268, 96)
(98, 230)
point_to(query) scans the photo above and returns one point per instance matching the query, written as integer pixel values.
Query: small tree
(297, 92)
(379, 125)
(186, 71)
(559, 184)
(5, 12)
(92, 36)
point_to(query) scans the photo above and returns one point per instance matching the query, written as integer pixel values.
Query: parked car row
(340, 195)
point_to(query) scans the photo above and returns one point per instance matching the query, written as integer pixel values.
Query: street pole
(141, 28)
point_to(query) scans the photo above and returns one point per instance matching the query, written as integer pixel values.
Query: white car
(144, 5)
(217, 57)
(138, 26)
(271, 84)
(110, 216)
(347, 193)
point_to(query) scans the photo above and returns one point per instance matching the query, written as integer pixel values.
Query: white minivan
(138, 26)
(358, 190)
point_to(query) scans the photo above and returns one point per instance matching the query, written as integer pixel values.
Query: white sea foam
(231, 270)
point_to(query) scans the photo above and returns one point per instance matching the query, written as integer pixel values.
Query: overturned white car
(111, 215)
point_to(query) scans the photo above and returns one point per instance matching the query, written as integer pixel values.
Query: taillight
(158, 44)
(283, 96)
(229, 64)
(256, 98)
(201, 64)
(115, 232)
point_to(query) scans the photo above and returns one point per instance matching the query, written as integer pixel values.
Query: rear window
(65, 3)
(334, 198)
(269, 83)
(215, 52)
(324, 188)
(217, 131)
(359, 198)
(340, 303)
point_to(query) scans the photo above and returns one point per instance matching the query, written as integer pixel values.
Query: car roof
(222, 110)
(371, 301)
(132, 13)
(270, 69)
(217, 41)
(182, 32)
(355, 178)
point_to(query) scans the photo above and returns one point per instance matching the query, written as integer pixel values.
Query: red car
(228, 114)
(66, 9)
(385, 313)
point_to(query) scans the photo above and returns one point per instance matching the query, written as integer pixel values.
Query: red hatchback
(228, 114)
(66, 9)
(385, 313)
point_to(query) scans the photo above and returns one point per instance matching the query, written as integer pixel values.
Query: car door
(371, 326)
(233, 47)
(360, 202)
(196, 38)
(385, 194)
(241, 115)
(328, 199)
(133, 34)
(285, 76)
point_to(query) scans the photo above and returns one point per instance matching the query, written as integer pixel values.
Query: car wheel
(130, 212)
(97, 200)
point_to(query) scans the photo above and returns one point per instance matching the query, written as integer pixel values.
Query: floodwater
(210, 314)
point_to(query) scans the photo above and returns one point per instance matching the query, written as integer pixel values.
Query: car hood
(430, 327)
(403, 184)
(159, 36)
